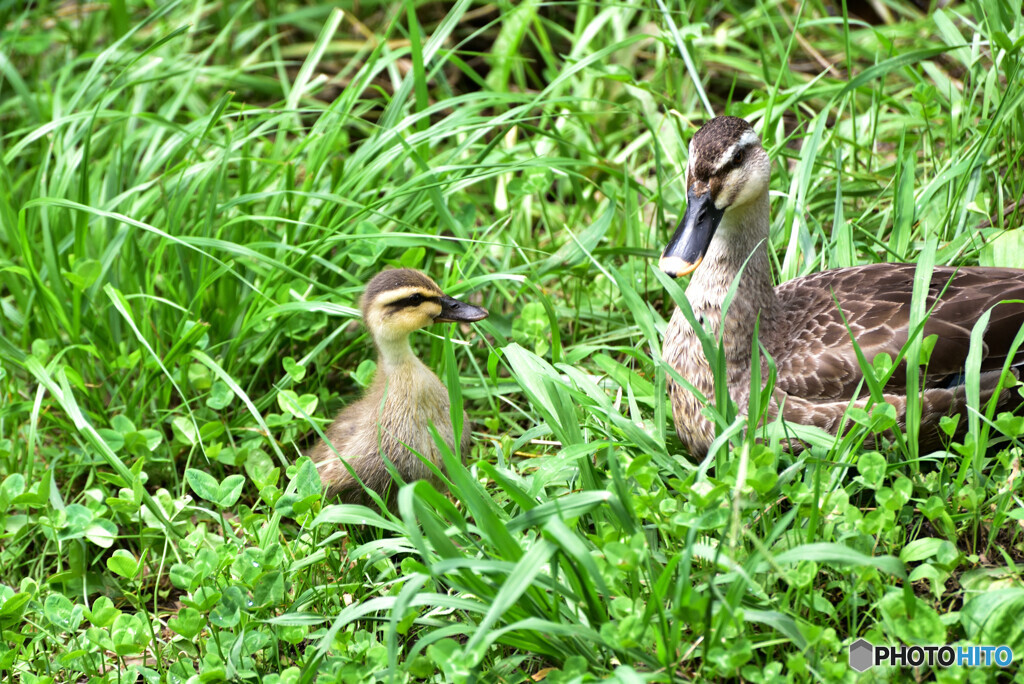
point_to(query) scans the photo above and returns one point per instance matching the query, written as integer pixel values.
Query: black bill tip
(454, 311)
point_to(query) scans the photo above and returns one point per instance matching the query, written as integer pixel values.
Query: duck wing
(816, 359)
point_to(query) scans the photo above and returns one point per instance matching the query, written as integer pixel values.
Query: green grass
(191, 198)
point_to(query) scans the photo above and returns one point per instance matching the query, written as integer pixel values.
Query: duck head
(398, 302)
(728, 170)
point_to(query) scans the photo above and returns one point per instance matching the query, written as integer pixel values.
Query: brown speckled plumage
(392, 420)
(818, 375)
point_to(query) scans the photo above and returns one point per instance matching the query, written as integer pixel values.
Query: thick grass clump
(191, 197)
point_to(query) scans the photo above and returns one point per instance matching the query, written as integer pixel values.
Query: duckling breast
(391, 421)
(413, 399)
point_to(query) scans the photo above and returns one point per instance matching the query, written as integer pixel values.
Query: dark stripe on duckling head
(397, 279)
(412, 301)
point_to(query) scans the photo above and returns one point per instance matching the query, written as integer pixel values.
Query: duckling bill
(725, 229)
(392, 420)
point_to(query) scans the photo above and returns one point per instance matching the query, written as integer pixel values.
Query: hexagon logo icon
(862, 655)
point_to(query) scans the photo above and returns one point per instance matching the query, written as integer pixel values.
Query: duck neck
(740, 242)
(394, 352)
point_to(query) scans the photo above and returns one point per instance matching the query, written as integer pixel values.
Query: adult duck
(801, 322)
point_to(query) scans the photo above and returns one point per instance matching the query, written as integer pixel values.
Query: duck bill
(454, 311)
(690, 242)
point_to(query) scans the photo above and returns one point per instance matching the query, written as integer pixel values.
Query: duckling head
(728, 171)
(398, 302)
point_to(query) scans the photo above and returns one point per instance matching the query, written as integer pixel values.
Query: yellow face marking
(394, 296)
(403, 310)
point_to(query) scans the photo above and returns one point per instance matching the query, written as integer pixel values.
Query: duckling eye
(411, 300)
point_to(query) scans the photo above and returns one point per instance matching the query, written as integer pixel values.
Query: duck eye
(411, 300)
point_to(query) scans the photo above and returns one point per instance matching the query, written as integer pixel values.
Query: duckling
(725, 229)
(392, 420)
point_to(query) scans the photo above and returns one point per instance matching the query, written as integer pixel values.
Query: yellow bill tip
(677, 267)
